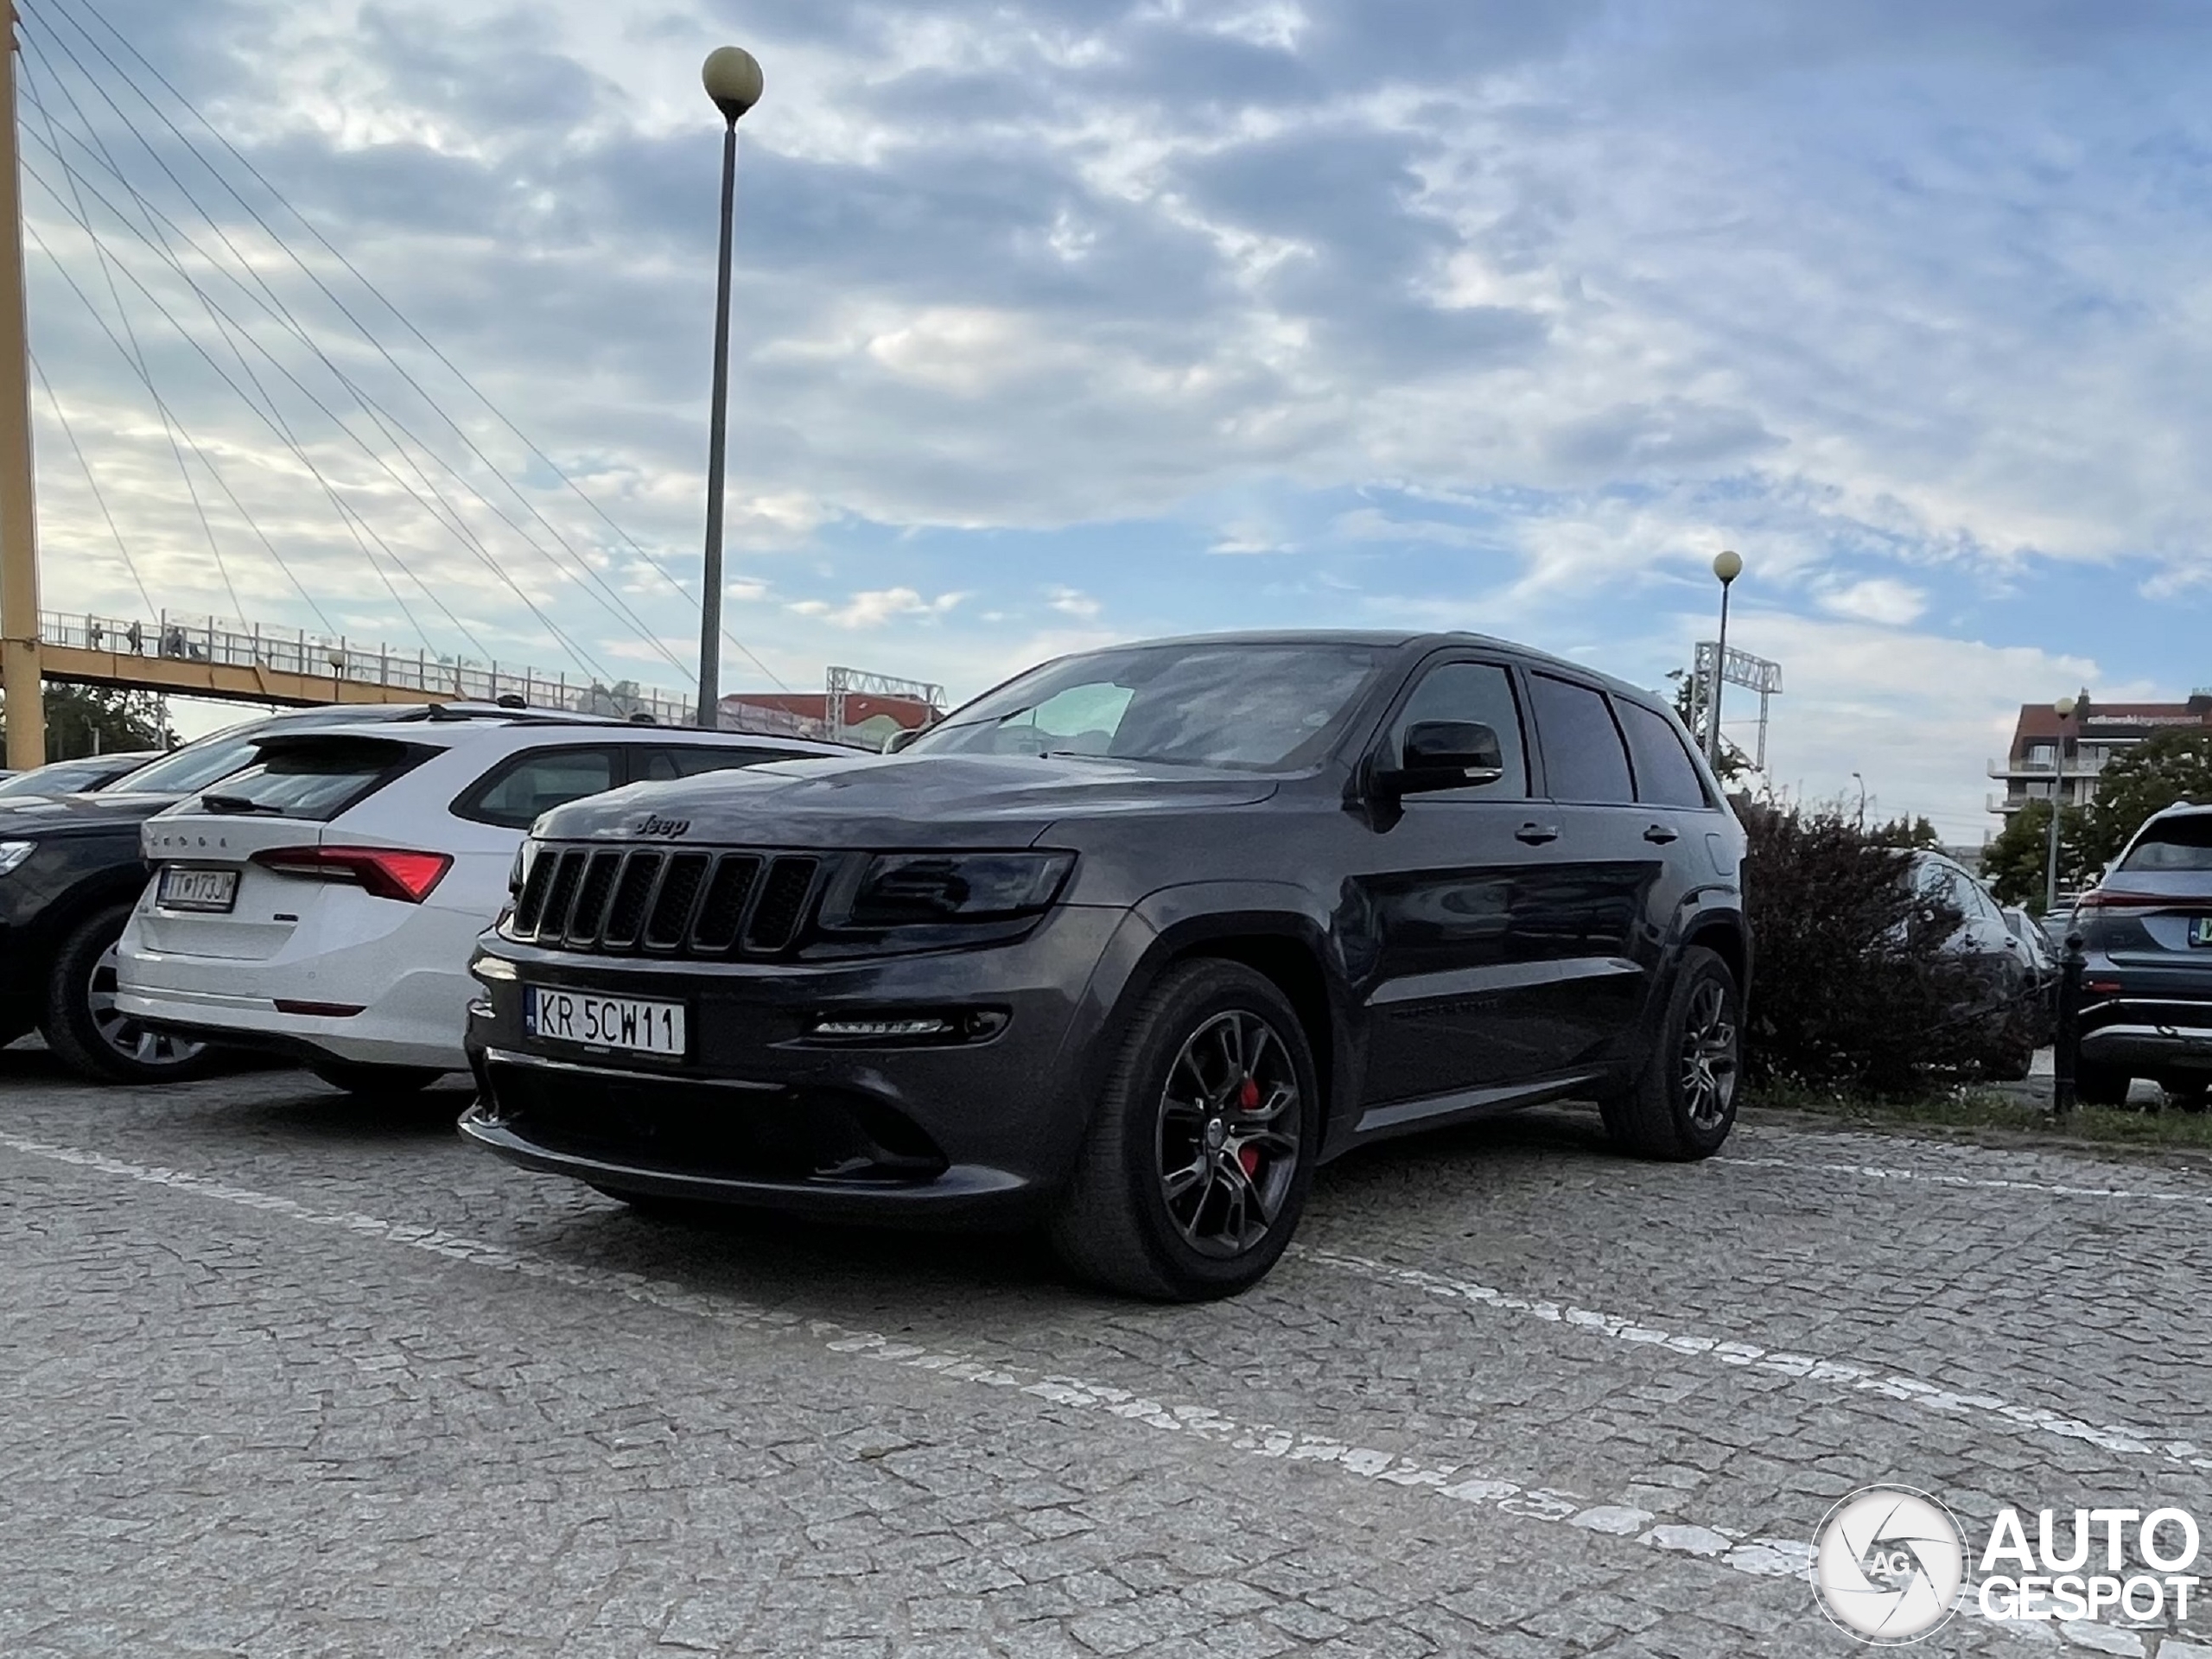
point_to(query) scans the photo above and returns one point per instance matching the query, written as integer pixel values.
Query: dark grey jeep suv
(1129, 946)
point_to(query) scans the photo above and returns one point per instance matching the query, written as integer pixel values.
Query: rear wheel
(1201, 1150)
(89, 1033)
(1683, 1104)
(356, 1078)
(2100, 1085)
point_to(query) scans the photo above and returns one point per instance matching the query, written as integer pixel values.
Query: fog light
(882, 1028)
(489, 969)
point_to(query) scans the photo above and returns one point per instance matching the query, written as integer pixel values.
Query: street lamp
(1726, 566)
(2064, 710)
(732, 78)
(1862, 782)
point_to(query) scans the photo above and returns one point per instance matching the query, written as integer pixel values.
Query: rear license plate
(590, 1021)
(184, 888)
(2200, 930)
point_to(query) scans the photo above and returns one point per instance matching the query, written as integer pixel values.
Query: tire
(1683, 1104)
(82, 1027)
(1195, 1079)
(356, 1078)
(2013, 1064)
(2100, 1085)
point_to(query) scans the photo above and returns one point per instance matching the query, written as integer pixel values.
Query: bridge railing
(237, 644)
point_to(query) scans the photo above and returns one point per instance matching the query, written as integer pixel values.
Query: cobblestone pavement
(283, 1373)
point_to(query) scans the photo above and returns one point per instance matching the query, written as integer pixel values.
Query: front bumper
(758, 1113)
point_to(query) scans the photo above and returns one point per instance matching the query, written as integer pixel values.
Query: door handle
(1661, 834)
(1536, 833)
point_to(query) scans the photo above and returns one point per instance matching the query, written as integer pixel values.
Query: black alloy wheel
(1682, 1104)
(1200, 1153)
(89, 1033)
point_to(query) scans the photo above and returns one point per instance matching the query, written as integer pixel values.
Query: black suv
(1129, 946)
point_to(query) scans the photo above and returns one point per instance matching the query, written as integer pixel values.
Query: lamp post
(732, 78)
(1862, 782)
(2064, 710)
(1726, 566)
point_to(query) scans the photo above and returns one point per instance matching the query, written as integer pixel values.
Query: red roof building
(2051, 755)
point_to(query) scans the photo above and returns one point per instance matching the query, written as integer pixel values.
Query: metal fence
(313, 656)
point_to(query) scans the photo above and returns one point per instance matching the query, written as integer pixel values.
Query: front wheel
(1201, 1150)
(86, 1030)
(1683, 1102)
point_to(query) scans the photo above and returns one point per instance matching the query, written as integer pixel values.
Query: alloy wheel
(1709, 1057)
(1229, 1128)
(124, 1035)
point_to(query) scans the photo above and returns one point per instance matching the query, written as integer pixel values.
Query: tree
(1733, 763)
(2176, 764)
(1907, 833)
(82, 720)
(2015, 864)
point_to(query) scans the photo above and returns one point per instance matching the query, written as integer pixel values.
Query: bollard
(2066, 1043)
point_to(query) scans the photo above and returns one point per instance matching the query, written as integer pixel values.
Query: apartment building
(2051, 755)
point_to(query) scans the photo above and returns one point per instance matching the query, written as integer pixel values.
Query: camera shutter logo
(1887, 1565)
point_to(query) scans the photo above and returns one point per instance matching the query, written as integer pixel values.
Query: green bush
(1852, 987)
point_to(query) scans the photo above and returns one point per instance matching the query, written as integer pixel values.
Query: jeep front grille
(652, 901)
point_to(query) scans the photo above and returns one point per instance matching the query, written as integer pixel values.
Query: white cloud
(1878, 598)
(876, 606)
(1072, 602)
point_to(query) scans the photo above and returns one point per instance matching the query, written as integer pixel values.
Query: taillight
(2107, 899)
(381, 872)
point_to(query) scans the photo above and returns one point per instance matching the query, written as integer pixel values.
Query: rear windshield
(313, 777)
(2183, 843)
(194, 766)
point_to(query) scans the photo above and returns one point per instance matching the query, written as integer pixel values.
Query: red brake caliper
(1248, 1097)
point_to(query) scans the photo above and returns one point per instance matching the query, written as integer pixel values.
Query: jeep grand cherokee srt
(1130, 946)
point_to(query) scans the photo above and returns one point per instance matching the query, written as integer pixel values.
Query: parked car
(1130, 946)
(322, 902)
(2146, 991)
(70, 870)
(2005, 1007)
(75, 776)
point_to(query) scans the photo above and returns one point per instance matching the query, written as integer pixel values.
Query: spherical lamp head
(2063, 708)
(1727, 566)
(732, 78)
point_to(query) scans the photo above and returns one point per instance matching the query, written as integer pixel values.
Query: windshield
(1257, 706)
(2182, 844)
(65, 776)
(195, 765)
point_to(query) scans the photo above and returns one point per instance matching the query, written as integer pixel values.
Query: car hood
(919, 800)
(32, 816)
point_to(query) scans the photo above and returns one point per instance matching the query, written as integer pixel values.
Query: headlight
(13, 853)
(917, 889)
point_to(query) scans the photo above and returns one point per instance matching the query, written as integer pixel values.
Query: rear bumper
(417, 1021)
(2148, 1035)
(760, 1114)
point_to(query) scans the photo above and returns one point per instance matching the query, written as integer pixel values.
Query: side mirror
(1446, 754)
(898, 740)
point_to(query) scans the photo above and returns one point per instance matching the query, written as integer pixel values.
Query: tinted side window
(1583, 757)
(1464, 691)
(663, 766)
(513, 794)
(1665, 774)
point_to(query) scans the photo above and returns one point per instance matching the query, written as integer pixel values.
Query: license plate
(591, 1020)
(184, 888)
(2200, 930)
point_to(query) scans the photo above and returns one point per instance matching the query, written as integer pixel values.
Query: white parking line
(1731, 1548)
(2018, 1421)
(1932, 1178)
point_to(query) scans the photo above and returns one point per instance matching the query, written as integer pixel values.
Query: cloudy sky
(1063, 322)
